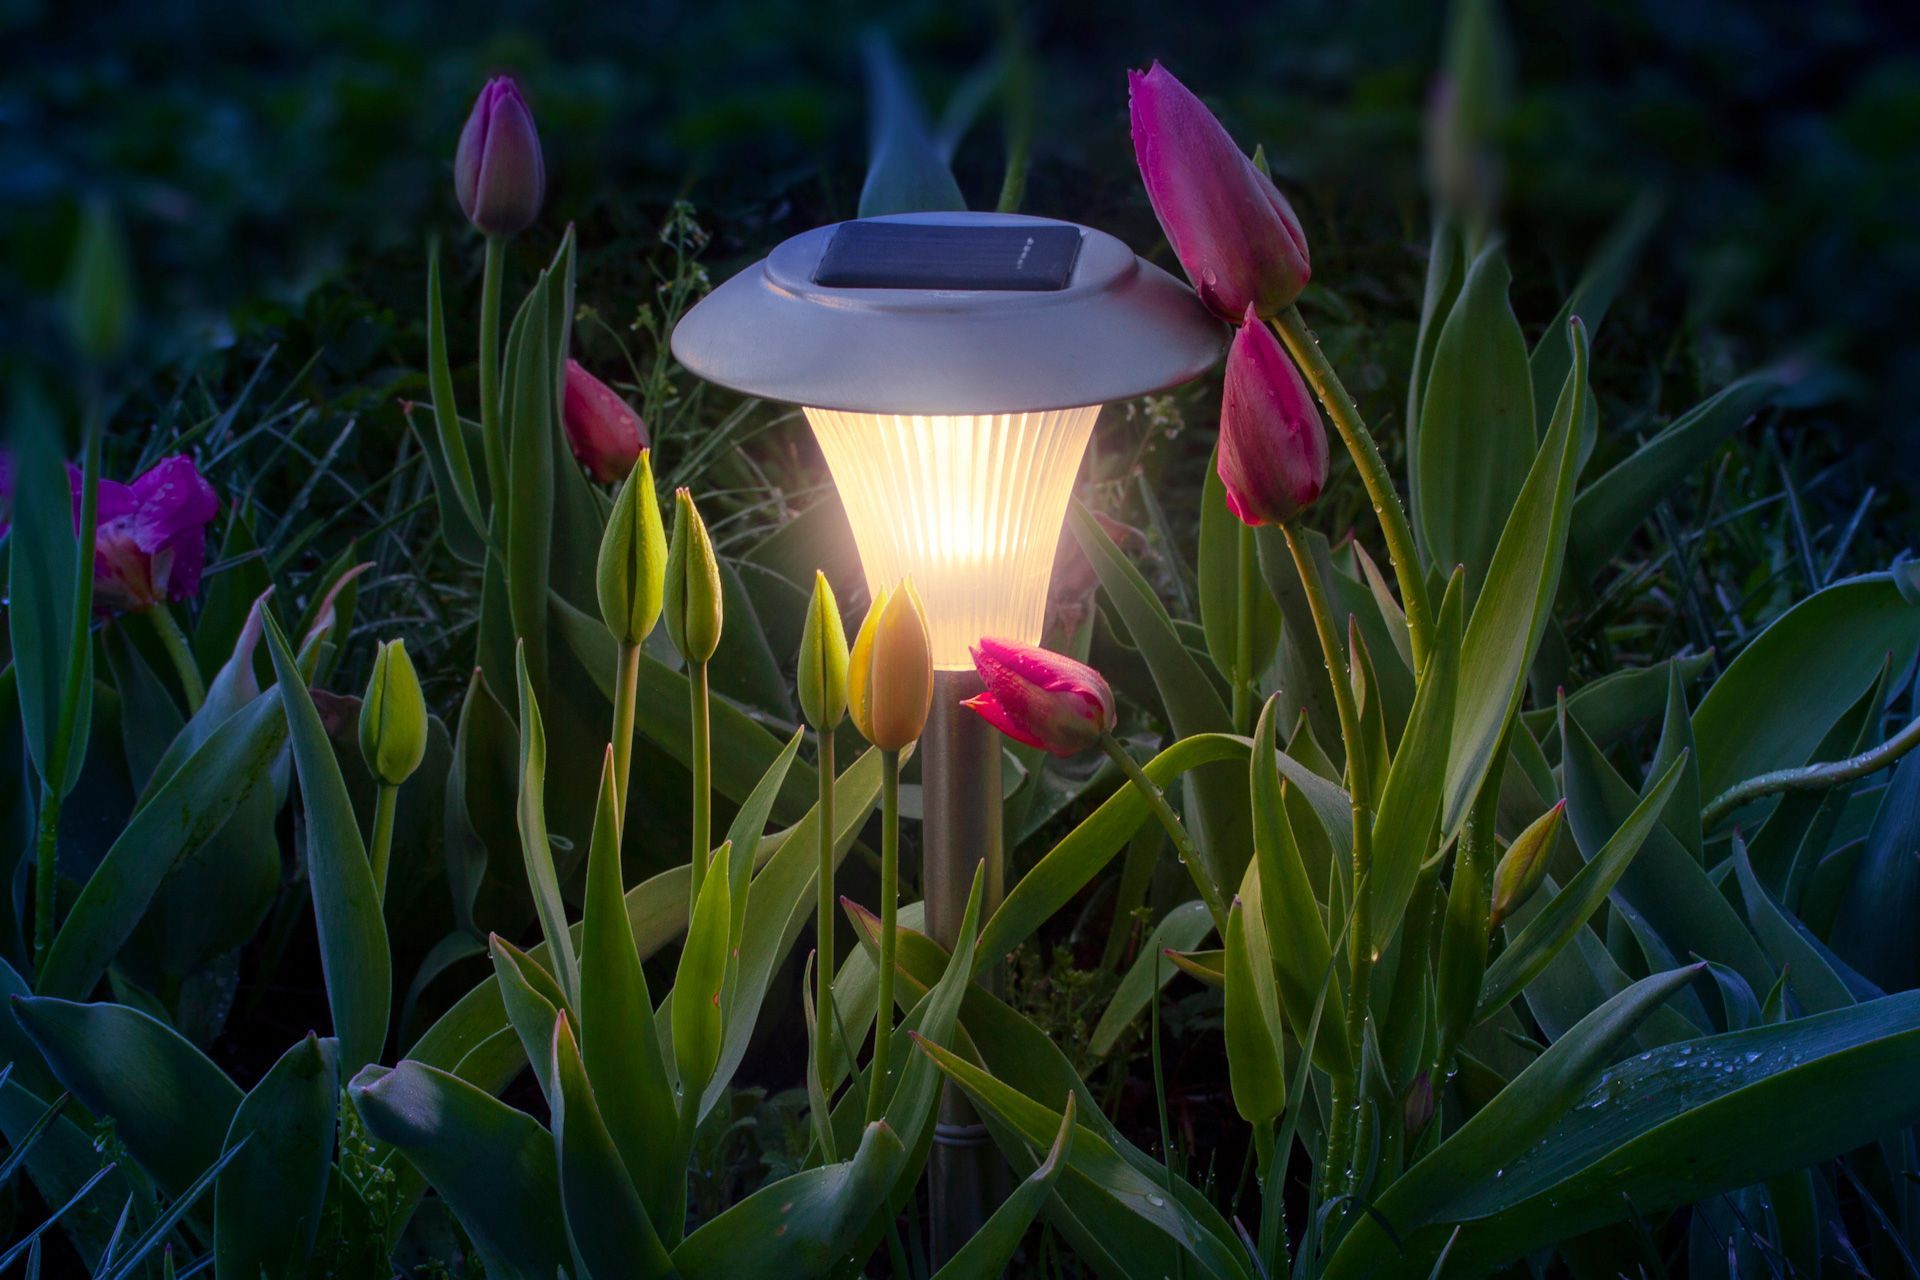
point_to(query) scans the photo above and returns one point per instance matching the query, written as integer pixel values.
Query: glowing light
(969, 506)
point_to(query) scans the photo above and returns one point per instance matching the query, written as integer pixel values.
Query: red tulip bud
(1041, 698)
(603, 432)
(498, 171)
(1273, 448)
(1234, 232)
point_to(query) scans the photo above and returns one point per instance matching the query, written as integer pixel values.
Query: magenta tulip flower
(1273, 448)
(1041, 698)
(150, 538)
(603, 432)
(498, 171)
(1233, 231)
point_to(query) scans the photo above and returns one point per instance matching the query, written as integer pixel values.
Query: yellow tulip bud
(890, 677)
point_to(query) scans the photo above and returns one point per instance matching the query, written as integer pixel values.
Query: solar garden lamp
(951, 366)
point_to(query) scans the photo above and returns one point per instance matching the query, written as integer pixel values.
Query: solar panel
(919, 255)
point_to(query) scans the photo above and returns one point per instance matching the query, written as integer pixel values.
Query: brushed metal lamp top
(939, 313)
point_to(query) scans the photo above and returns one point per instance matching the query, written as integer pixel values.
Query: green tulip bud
(393, 717)
(693, 584)
(99, 286)
(631, 575)
(823, 659)
(1524, 865)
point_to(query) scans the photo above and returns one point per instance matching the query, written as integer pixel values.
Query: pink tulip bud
(603, 432)
(1418, 1107)
(498, 171)
(1273, 448)
(1233, 231)
(1041, 698)
(150, 537)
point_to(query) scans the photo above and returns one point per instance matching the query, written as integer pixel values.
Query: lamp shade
(952, 366)
(967, 505)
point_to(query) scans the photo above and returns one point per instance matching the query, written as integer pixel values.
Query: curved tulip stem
(174, 641)
(1360, 940)
(385, 801)
(626, 688)
(889, 919)
(823, 924)
(491, 438)
(1812, 777)
(1157, 802)
(1373, 473)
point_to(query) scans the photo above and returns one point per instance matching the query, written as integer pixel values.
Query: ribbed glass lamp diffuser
(969, 506)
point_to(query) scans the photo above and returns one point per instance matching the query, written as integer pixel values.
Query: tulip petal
(1234, 233)
(996, 715)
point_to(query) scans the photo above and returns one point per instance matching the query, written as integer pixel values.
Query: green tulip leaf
(1568, 911)
(619, 1045)
(1219, 581)
(1289, 907)
(1672, 1126)
(802, 1225)
(989, 1251)
(1663, 882)
(1094, 1166)
(1071, 864)
(354, 957)
(905, 171)
(611, 1230)
(1256, 1061)
(170, 1104)
(1409, 814)
(1503, 1131)
(535, 846)
(268, 1200)
(493, 1165)
(1511, 609)
(193, 804)
(1218, 814)
(1477, 430)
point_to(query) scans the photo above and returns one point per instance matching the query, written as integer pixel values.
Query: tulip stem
(1360, 939)
(53, 786)
(702, 762)
(385, 800)
(1814, 776)
(889, 917)
(1332, 394)
(1243, 674)
(626, 688)
(174, 641)
(490, 433)
(1157, 801)
(823, 924)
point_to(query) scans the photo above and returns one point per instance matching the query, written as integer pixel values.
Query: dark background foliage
(279, 165)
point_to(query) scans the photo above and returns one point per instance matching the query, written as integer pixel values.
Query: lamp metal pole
(960, 800)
